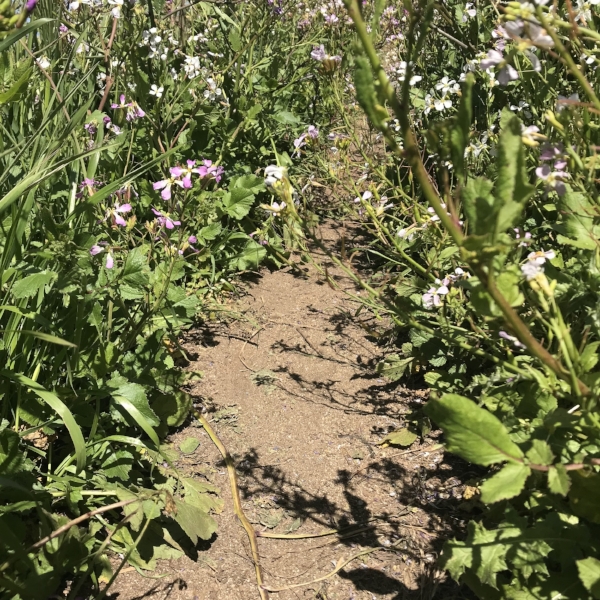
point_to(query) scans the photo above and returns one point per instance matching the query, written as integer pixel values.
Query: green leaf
(19, 33)
(172, 408)
(578, 220)
(402, 437)
(559, 481)
(589, 574)
(11, 456)
(249, 182)
(459, 135)
(584, 494)
(393, 366)
(136, 267)
(16, 87)
(132, 397)
(30, 285)
(195, 522)
(234, 40)
(478, 204)
(237, 202)
(540, 453)
(250, 256)
(512, 189)
(189, 445)
(285, 117)
(508, 283)
(46, 337)
(59, 407)
(471, 431)
(507, 483)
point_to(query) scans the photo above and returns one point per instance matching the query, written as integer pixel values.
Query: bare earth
(292, 392)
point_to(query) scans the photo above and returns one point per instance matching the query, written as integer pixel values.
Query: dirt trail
(292, 392)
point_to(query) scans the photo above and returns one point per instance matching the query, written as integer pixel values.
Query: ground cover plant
(131, 136)
(151, 151)
(483, 212)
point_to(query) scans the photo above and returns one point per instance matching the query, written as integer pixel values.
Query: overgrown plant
(131, 136)
(493, 267)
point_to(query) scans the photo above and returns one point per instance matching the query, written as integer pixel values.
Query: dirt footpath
(292, 392)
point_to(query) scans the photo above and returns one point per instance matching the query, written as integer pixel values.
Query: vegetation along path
(291, 392)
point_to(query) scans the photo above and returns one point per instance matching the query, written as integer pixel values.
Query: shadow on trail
(399, 532)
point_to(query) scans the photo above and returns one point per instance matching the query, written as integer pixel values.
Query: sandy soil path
(292, 392)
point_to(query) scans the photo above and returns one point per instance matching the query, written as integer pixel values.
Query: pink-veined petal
(110, 263)
(166, 193)
(159, 185)
(119, 220)
(176, 171)
(124, 208)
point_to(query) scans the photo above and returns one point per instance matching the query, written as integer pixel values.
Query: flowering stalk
(413, 156)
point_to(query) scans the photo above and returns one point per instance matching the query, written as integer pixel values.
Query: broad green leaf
(589, 573)
(578, 220)
(59, 407)
(472, 432)
(540, 453)
(195, 522)
(559, 481)
(286, 118)
(234, 40)
(30, 285)
(459, 135)
(508, 283)
(478, 204)
(136, 267)
(584, 494)
(189, 445)
(249, 182)
(238, 202)
(132, 397)
(11, 456)
(210, 232)
(507, 483)
(512, 189)
(402, 437)
(172, 408)
(250, 256)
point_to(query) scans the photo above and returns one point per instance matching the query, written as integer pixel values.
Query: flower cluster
(182, 176)
(133, 109)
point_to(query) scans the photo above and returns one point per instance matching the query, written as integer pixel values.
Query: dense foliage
(132, 142)
(485, 211)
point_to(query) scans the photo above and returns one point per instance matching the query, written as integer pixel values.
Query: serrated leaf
(195, 522)
(136, 267)
(189, 445)
(589, 574)
(559, 481)
(578, 217)
(507, 483)
(294, 525)
(31, 284)
(472, 432)
(393, 367)
(402, 437)
(237, 202)
(540, 453)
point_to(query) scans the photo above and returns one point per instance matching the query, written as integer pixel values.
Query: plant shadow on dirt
(359, 526)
